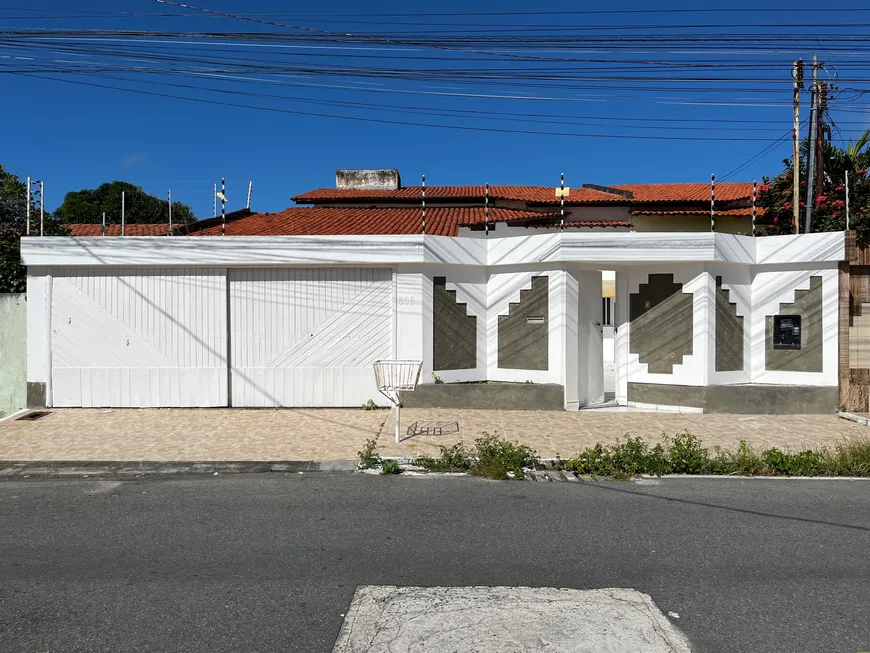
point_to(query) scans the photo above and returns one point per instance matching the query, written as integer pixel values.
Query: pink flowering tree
(829, 207)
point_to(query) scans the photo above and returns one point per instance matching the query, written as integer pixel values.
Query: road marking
(384, 619)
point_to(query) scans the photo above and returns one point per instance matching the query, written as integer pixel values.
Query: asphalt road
(270, 562)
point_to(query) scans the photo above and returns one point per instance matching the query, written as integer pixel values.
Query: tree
(829, 206)
(13, 218)
(87, 206)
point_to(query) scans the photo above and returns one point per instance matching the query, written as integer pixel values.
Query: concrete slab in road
(382, 619)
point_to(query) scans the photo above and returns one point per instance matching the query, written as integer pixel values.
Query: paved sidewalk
(337, 434)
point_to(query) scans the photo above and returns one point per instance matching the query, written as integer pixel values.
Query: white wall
(488, 275)
(757, 293)
(769, 290)
(38, 326)
(692, 370)
(590, 344)
(738, 281)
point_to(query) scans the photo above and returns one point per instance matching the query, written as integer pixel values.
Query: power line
(393, 122)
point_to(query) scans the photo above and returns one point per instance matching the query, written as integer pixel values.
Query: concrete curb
(136, 469)
(852, 417)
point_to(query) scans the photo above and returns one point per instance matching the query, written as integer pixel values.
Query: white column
(621, 329)
(39, 329)
(590, 345)
(414, 325)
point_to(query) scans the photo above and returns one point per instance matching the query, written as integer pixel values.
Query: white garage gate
(308, 336)
(299, 337)
(132, 337)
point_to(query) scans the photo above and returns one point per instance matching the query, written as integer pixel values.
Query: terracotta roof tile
(745, 211)
(646, 193)
(726, 192)
(297, 221)
(592, 223)
(533, 194)
(115, 229)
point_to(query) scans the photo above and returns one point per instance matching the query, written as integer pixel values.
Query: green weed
(368, 457)
(390, 467)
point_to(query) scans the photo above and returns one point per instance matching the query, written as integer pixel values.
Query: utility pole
(214, 201)
(797, 72)
(811, 159)
(103, 230)
(123, 214)
(27, 229)
(41, 206)
(169, 233)
(250, 189)
(820, 135)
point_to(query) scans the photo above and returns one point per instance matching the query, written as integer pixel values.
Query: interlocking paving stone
(279, 436)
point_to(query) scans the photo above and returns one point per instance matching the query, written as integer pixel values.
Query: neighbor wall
(13, 358)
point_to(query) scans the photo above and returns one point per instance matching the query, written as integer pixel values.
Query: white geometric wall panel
(132, 337)
(308, 336)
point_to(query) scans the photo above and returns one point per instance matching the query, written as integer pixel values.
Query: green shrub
(743, 462)
(390, 467)
(687, 456)
(370, 405)
(496, 457)
(621, 460)
(368, 457)
(802, 463)
(492, 457)
(451, 459)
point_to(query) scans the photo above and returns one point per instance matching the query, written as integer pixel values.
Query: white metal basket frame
(395, 379)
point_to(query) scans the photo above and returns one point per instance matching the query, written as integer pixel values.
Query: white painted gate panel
(308, 336)
(129, 337)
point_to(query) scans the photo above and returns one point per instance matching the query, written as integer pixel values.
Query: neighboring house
(638, 207)
(115, 229)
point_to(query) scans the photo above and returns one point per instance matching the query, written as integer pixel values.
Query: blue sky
(77, 137)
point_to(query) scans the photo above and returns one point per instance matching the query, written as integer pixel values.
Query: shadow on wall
(13, 355)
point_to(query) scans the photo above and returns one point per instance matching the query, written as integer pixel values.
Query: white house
(703, 320)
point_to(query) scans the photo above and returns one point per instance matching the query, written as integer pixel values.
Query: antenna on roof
(214, 203)
(103, 230)
(424, 204)
(486, 209)
(123, 215)
(712, 202)
(562, 202)
(169, 233)
(250, 188)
